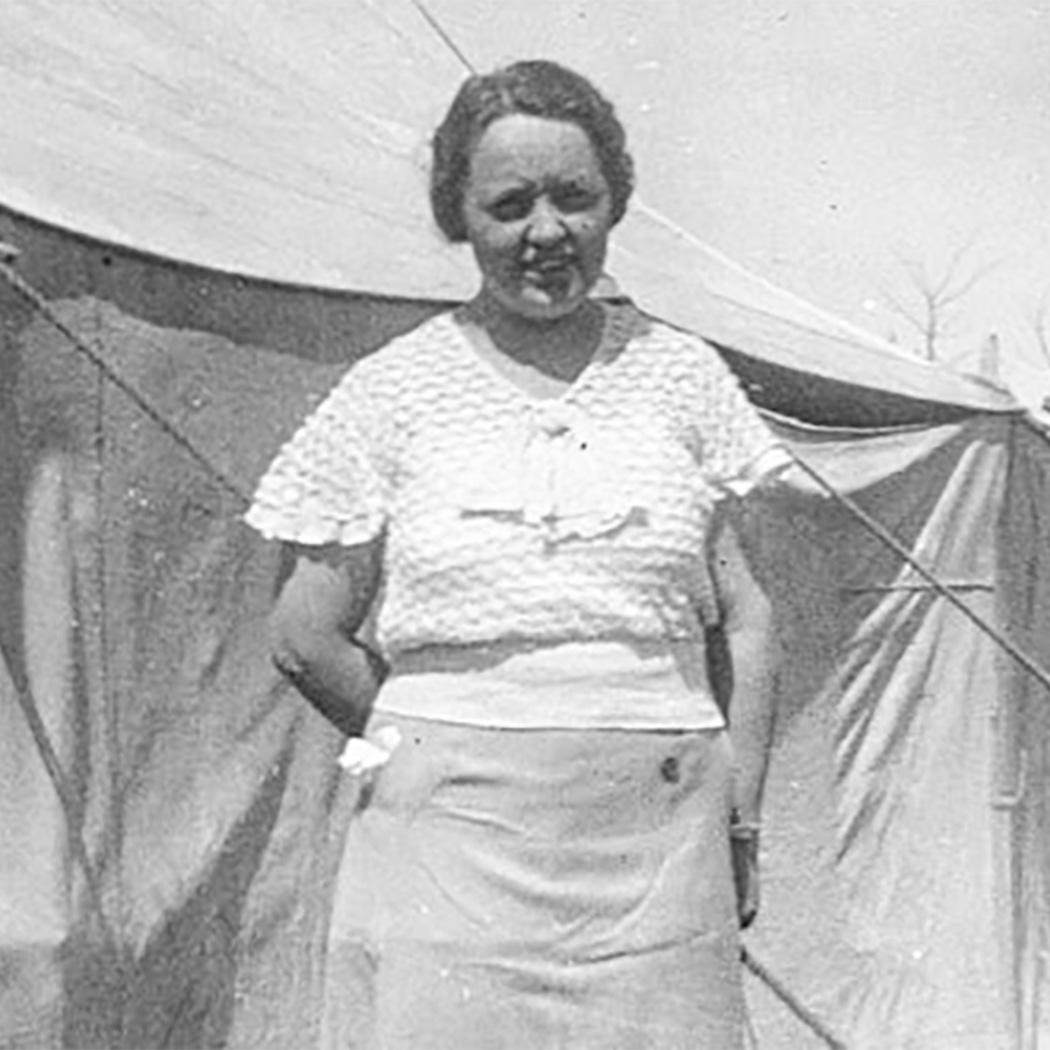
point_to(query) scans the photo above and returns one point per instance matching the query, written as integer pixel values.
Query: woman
(534, 495)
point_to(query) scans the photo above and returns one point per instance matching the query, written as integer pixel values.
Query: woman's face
(537, 210)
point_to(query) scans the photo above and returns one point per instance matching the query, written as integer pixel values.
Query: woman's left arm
(753, 654)
(747, 622)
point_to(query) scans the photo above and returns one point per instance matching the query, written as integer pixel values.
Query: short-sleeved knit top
(510, 518)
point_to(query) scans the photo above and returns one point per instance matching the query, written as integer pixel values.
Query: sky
(851, 151)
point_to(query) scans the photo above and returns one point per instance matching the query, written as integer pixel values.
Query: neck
(560, 347)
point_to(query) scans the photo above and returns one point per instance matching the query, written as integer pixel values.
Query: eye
(511, 207)
(575, 197)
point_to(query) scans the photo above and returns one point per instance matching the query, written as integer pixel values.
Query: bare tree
(1041, 327)
(1041, 330)
(935, 295)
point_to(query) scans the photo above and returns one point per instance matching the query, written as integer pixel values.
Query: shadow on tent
(904, 856)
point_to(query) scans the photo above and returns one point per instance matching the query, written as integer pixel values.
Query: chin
(535, 305)
(550, 311)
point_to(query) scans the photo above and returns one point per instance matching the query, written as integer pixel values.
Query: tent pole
(26, 701)
(48, 755)
(23, 691)
(40, 732)
(758, 969)
(56, 774)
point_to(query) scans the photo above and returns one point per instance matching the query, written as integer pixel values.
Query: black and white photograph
(524, 525)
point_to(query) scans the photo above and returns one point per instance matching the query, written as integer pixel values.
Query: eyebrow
(525, 185)
(516, 190)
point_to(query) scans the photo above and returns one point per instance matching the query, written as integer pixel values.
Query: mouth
(551, 274)
(545, 263)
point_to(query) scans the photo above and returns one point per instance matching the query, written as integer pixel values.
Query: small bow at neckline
(562, 474)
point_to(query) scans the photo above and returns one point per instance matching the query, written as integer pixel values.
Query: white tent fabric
(905, 892)
(288, 142)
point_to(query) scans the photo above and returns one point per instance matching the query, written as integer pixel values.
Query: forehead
(522, 148)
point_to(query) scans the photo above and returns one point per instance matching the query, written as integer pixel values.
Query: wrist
(745, 830)
(377, 667)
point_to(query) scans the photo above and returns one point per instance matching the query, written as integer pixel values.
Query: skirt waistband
(573, 685)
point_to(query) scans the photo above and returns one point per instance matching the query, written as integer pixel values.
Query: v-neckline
(488, 363)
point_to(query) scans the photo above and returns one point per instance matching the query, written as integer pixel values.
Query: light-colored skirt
(538, 889)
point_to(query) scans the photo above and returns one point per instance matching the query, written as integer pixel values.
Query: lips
(549, 263)
(550, 270)
(555, 283)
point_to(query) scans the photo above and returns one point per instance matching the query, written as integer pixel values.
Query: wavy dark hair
(536, 88)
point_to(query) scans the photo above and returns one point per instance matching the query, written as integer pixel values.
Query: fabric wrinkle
(586, 526)
(543, 859)
(555, 921)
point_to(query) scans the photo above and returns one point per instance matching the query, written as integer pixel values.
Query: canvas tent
(212, 211)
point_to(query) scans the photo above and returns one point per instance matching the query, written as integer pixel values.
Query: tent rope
(446, 38)
(873, 526)
(54, 770)
(798, 1008)
(57, 775)
(22, 688)
(47, 311)
(758, 969)
(877, 529)
(39, 730)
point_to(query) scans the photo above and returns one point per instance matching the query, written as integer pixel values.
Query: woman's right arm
(321, 607)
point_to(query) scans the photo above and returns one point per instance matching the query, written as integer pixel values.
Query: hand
(744, 852)
(361, 755)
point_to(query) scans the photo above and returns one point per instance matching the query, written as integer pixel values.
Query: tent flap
(883, 884)
(210, 799)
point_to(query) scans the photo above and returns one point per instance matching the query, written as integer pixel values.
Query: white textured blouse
(516, 525)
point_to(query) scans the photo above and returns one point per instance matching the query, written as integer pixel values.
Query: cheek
(494, 243)
(593, 233)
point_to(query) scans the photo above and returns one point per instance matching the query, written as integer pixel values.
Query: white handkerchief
(362, 755)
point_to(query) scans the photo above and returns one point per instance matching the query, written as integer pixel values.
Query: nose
(546, 225)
